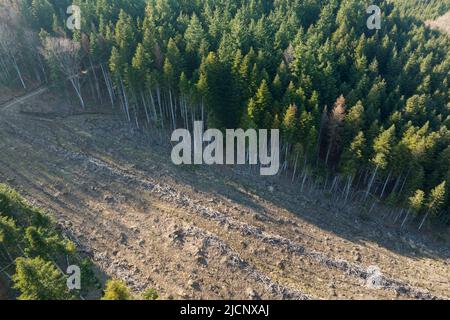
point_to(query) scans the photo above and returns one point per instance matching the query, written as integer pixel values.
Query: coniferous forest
(363, 112)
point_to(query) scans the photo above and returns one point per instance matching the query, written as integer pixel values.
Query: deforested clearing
(442, 23)
(211, 233)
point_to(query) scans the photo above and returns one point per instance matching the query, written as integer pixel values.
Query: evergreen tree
(416, 202)
(259, 108)
(334, 128)
(353, 157)
(37, 279)
(435, 201)
(116, 290)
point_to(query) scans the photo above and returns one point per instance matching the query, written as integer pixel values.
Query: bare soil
(442, 23)
(205, 232)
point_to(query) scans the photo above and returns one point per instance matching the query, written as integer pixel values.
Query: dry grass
(441, 23)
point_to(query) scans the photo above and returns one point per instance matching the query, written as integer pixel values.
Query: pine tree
(194, 35)
(37, 279)
(9, 236)
(353, 157)
(116, 290)
(141, 64)
(41, 14)
(290, 96)
(382, 149)
(353, 123)
(277, 88)
(334, 128)
(218, 87)
(307, 52)
(435, 201)
(259, 108)
(416, 202)
(289, 124)
(125, 38)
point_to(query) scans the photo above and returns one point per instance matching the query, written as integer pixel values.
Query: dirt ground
(205, 233)
(442, 23)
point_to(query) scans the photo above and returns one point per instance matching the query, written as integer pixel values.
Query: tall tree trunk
(295, 168)
(369, 187)
(158, 96)
(349, 186)
(385, 184)
(108, 84)
(305, 176)
(406, 217)
(404, 183)
(97, 86)
(18, 72)
(424, 219)
(125, 99)
(152, 100)
(328, 154)
(144, 103)
(172, 110)
(76, 85)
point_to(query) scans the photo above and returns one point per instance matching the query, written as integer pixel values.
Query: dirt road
(22, 99)
(209, 233)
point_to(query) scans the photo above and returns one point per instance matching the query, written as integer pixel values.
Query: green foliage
(436, 198)
(35, 253)
(259, 108)
(116, 290)
(220, 93)
(250, 63)
(423, 9)
(416, 202)
(42, 14)
(289, 124)
(150, 294)
(10, 200)
(9, 233)
(383, 148)
(353, 157)
(37, 279)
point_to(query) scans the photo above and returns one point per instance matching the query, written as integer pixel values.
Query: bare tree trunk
(145, 107)
(349, 185)
(424, 219)
(397, 183)
(369, 187)
(76, 85)
(152, 100)
(16, 67)
(42, 66)
(295, 168)
(406, 217)
(136, 115)
(97, 85)
(399, 215)
(7, 253)
(125, 99)
(172, 109)
(385, 184)
(108, 84)
(328, 154)
(305, 176)
(5, 74)
(404, 183)
(158, 96)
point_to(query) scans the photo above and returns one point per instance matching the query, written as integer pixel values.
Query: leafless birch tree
(65, 55)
